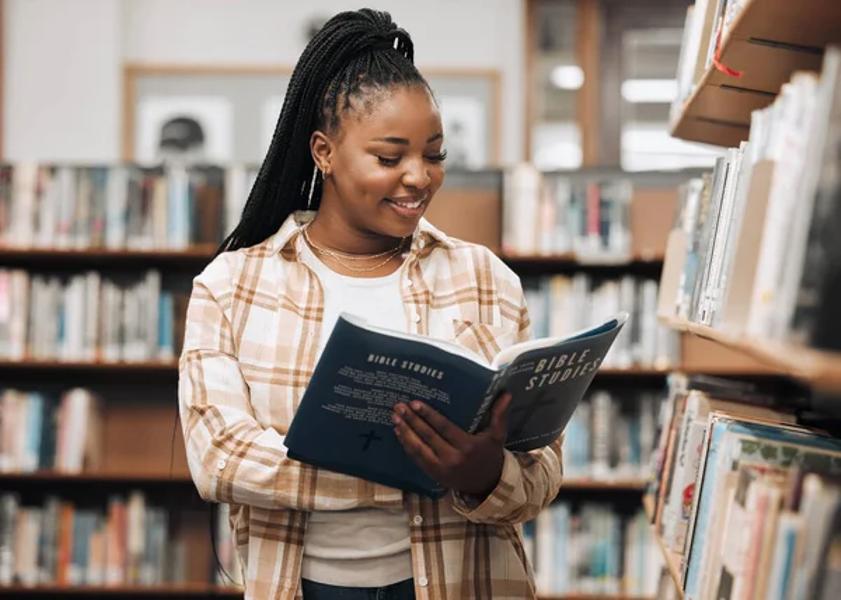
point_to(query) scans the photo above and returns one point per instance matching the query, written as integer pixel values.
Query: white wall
(64, 57)
(62, 80)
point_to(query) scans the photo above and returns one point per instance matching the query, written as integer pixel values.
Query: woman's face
(385, 162)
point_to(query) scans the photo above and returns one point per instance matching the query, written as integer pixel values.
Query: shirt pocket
(486, 340)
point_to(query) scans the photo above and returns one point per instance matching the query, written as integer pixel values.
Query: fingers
(416, 448)
(499, 416)
(429, 434)
(454, 435)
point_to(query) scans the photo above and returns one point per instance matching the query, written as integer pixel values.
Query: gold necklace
(338, 258)
(346, 255)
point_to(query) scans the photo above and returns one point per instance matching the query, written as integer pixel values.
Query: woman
(359, 141)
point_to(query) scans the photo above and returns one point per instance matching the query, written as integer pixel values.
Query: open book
(344, 420)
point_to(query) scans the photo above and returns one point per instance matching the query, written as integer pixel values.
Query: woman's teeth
(414, 204)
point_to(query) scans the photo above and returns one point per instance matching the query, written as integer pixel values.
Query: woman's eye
(439, 157)
(388, 161)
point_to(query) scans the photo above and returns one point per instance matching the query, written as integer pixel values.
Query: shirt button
(417, 520)
(410, 283)
(421, 243)
(416, 318)
(220, 464)
(423, 581)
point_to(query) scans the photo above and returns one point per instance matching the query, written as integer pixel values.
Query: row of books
(705, 28)
(116, 207)
(57, 432)
(552, 214)
(559, 305)
(611, 435)
(755, 249)
(128, 542)
(592, 549)
(748, 501)
(89, 317)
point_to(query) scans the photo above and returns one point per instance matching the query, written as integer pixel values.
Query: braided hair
(354, 54)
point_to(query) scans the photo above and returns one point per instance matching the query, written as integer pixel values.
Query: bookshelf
(818, 369)
(672, 561)
(767, 42)
(140, 396)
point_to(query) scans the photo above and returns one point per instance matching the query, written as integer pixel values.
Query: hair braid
(353, 54)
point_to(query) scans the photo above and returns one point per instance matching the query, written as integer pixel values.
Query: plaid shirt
(253, 325)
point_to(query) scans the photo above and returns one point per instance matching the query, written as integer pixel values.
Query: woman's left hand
(468, 463)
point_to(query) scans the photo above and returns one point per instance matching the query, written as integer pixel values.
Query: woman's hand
(468, 463)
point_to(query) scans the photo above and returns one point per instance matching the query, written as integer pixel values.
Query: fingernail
(417, 406)
(395, 419)
(400, 409)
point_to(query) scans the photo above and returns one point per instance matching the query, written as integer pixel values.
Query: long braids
(353, 52)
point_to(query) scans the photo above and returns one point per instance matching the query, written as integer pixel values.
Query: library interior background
(680, 161)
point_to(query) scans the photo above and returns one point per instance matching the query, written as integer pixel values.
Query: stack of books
(755, 251)
(746, 500)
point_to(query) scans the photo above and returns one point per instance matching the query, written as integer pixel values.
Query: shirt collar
(288, 237)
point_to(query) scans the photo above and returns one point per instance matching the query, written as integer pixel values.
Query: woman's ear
(321, 149)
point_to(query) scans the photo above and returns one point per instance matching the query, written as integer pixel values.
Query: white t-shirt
(366, 547)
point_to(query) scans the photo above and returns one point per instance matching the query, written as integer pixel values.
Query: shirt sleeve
(529, 480)
(231, 457)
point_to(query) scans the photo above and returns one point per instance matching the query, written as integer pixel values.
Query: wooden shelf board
(768, 42)
(168, 367)
(572, 259)
(50, 257)
(820, 370)
(185, 590)
(64, 478)
(583, 596)
(619, 485)
(671, 560)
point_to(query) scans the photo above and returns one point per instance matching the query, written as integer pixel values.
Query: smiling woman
(359, 142)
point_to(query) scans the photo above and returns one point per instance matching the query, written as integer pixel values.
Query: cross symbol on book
(371, 436)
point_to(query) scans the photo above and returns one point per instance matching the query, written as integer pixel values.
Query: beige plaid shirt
(253, 324)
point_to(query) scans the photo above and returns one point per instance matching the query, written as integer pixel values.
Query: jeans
(402, 590)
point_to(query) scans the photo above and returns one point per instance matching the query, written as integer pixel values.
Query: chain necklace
(341, 257)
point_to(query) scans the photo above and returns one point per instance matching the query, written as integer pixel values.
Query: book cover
(344, 420)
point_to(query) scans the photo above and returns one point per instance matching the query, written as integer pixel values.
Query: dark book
(344, 420)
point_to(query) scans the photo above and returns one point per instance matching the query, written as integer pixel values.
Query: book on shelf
(123, 540)
(736, 478)
(112, 207)
(351, 394)
(611, 435)
(89, 317)
(557, 215)
(45, 432)
(753, 251)
(559, 303)
(592, 548)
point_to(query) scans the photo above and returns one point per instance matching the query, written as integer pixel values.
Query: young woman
(359, 142)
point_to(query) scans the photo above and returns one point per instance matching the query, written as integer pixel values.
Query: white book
(90, 342)
(24, 185)
(116, 199)
(66, 192)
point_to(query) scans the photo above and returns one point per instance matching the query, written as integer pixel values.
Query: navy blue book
(344, 420)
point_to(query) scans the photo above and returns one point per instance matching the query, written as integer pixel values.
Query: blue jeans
(402, 590)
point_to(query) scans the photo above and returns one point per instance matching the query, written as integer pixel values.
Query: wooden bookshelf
(64, 479)
(572, 263)
(768, 42)
(197, 590)
(604, 485)
(672, 561)
(192, 258)
(818, 369)
(590, 597)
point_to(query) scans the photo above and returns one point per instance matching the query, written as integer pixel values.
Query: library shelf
(156, 369)
(768, 41)
(820, 370)
(47, 477)
(192, 258)
(573, 263)
(197, 590)
(604, 485)
(672, 561)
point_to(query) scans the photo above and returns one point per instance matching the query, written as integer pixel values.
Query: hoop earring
(315, 172)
